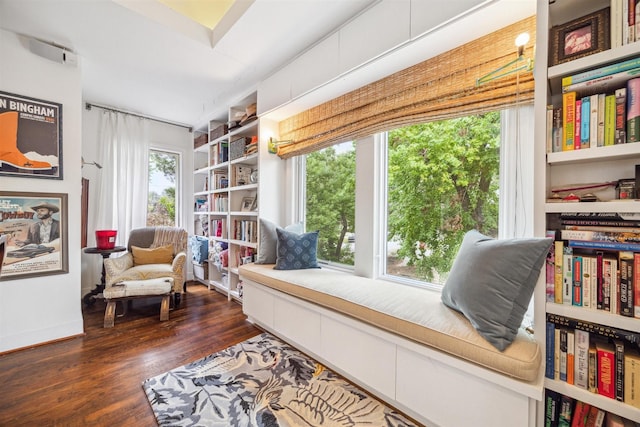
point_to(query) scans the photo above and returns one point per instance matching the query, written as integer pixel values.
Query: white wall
(42, 309)
(162, 136)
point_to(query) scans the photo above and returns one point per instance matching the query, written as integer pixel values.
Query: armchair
(149, 256)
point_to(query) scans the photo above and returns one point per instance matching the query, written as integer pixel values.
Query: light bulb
(522, 39)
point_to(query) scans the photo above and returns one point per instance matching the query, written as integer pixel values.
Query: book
(609, 275)
(609, 119)
(604, 84)
(607, 246)
(593, 368)
(571, 360)
(601, 118)
(581, 367)
(602, 71)
(625, 298)
(577, 127)
(619, 371)
(556, 353)
(616, 23)
(633, 110)
(576, 294)
(621, 115)
(585, 122)
(569, 120)
(557, 129)
(605, 229)
(550, 128)
(595, 418)
(602, 236)
(606, 369)
(558, 278)
(630, 219)
(567, 275)
(636, 285)
(599, 281)
(593, 121)
(563, 354)
(586, 281)
(550, 269)
(549, 371)
(632, 378)
(552, 408)
(580, 414)
(566, 411)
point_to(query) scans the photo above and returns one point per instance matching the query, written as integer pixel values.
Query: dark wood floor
(96, 379)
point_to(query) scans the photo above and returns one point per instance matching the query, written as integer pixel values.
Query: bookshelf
(226, 172)
(580, 168)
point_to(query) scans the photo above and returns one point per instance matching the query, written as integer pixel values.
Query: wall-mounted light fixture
(273, 146)
(94, 163)
(519, 64)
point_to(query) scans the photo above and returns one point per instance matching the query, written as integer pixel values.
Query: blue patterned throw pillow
(296, 251)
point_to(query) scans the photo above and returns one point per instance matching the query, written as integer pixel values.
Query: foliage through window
(163, 180)
(443, 180)
(330, 201)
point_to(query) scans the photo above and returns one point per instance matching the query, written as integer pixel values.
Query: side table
(90, 298)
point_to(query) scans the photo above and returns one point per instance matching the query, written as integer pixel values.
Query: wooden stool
(134, 289)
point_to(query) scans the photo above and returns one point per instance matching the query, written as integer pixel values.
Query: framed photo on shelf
(35, 226)
(247, 204)
(31, 138)
(581, 37)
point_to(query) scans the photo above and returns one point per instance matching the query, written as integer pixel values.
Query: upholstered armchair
(152, 252)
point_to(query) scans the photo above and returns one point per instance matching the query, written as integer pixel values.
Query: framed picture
(30, 137)
(35, 229)
(581, 37)
(247, 204)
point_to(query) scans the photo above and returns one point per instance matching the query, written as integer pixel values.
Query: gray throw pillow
(268, 240)
(296, 251)
(491, 282)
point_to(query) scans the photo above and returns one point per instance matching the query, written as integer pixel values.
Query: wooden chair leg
(164, 308)
(109, 314)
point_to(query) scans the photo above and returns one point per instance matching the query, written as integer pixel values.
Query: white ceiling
(142, 57)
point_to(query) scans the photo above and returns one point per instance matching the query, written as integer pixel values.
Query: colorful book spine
(602, 71)
(549, 371)
(612, 246)
(593, 121)
(601, 118)
(636, 285)
(603, 84)
(609, 119)
(619, 369)
(633, 110)
(568, 120)
(563, 354)
(577, 141)
(558, 277)
(586, 281)
(606, 369)
(571, 359)
(585, 122)
(566, 411)
(593, 368)
(595, 329)
(604, 236)
(621, 114)
(580, 414)
(625, 298)
(576, 296)
(632, 378)
(567, 276)
(581, 368)
(550, 269)
(552, 408)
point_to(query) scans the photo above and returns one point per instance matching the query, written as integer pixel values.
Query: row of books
(599, 107)
(624, 28)
(597, 275)
(245, 230)
(220, 180)
(219, 228)
(200, 204)
(599, 359)
(565, 411)
(219, 153)
(220, 203)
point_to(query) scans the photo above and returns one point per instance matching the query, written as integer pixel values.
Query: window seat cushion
(414, 313)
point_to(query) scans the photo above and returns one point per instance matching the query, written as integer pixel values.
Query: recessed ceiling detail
(205, 12)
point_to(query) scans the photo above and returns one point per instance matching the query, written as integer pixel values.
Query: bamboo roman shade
(439, 88)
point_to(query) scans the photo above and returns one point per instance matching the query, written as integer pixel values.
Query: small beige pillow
(161, 255)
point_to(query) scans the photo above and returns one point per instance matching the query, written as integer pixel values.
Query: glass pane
(443, 180)
(330, 201)
(163, 175)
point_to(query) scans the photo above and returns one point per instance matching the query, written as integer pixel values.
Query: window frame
(179, 216)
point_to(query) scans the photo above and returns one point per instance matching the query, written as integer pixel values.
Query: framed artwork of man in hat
(35, 229)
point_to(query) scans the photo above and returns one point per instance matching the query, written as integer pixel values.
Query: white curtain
(516, 172)
(124, 155)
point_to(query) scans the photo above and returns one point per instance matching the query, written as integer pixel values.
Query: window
(330, 201)
(442, 180)
(164, 176)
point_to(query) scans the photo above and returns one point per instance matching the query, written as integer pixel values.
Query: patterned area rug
(262, 382)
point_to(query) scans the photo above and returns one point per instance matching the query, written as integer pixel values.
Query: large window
(164, 174)
(330, 201)
(442, 180)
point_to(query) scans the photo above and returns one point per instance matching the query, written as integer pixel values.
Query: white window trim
(179, 219)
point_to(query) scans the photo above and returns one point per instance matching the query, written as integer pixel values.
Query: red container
(106, 239)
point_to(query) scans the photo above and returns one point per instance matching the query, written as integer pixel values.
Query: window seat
(335, 316)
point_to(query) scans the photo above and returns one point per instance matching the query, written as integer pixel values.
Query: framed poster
(35, 229)
(30, 137)
(581, 37)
